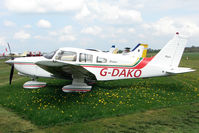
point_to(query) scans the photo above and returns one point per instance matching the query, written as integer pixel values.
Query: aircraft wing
(179, 70)
(64, 70)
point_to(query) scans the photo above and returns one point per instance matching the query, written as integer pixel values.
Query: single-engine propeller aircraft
(84, 66)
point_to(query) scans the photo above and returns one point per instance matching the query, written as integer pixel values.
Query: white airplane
(83, 66)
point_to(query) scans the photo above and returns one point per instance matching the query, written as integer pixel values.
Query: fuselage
(105, 66)
(85, 66)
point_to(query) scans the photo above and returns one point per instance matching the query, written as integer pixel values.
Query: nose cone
(9, 62)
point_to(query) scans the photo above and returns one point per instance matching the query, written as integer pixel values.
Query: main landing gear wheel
(77, 85)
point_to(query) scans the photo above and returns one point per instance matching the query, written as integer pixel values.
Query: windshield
(50, 55)
(66, 56)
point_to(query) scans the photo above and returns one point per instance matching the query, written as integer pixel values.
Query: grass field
(166, 104)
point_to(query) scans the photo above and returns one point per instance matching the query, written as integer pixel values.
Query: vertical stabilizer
(171, 53)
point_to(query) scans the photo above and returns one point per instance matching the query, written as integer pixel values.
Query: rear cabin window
(66, 56)
(88, 58)
(101, 60)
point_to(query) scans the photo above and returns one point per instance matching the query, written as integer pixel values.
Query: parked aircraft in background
(139, 51)
(84, 66)
(17, 54)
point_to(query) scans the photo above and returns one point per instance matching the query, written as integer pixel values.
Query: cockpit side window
(101, 60)
(66, 56)
(88, 58)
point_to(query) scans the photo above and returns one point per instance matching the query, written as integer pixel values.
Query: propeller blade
(11, 73)
(9, 47)
(12, 58)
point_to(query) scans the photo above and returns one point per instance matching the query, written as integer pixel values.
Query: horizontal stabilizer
(179, 70)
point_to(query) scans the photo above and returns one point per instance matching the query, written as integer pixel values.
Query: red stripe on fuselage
(141, 65)
(24, 63)
(105, 66)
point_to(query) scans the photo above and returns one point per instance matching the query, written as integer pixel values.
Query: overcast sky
(45, 25)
